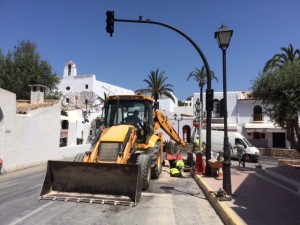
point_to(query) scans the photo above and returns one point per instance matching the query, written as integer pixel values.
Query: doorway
(279, 140)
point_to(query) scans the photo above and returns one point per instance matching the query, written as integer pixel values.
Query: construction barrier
(200, 164)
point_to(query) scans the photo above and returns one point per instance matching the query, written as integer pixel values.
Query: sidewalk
(259, 196)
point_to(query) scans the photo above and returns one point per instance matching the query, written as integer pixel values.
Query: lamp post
(198, 108)
(178, 119)
(223, 36)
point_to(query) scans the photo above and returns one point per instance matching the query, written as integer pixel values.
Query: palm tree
(157, 86)
(279, 60)
(201, 77)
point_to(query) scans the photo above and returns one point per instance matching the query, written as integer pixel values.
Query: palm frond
(281, 59)
(157, 85)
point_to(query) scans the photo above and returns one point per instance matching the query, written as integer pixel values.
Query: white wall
(77, 84)
(166, 104)
(31, 139)
(7, 119)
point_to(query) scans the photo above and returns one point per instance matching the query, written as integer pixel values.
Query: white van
(217, 143)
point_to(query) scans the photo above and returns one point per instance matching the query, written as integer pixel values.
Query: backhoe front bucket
(93, 182)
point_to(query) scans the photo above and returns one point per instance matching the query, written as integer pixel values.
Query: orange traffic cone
(220, 174)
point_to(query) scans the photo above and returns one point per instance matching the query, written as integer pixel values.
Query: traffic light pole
(208, 90)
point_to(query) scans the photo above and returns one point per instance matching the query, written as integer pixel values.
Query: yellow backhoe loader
(123, 158)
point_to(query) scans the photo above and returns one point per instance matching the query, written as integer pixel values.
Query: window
(69, 69)
(68, 88)
(67, 100)
(257, 109)
(222, 110)
(256, 135)
(257, 113)
(65, 124)
(216, 106)
(63, 142)
(86, 86)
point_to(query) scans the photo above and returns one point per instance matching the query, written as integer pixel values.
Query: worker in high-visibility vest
(197, 148)
(176, 168)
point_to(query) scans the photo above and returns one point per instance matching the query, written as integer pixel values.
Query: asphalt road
(169, 200)
(265, 161)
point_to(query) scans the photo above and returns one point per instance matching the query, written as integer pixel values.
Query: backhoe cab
(131, 110)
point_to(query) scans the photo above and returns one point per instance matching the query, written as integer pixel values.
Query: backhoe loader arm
(161, 121)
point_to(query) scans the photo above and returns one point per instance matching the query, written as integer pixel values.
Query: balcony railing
(258, 117)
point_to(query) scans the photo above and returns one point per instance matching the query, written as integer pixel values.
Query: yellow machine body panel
(114, 145)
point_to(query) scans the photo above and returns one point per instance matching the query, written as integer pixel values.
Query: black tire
(79, 157)
(157, 161)
(133, 159)
(145, 162)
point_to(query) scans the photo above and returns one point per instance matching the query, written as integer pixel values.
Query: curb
(228, 216)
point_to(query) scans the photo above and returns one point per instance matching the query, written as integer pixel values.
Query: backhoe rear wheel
(157, 159)
(145, 162)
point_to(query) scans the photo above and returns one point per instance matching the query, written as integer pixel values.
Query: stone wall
(283, 153)
(293, 157)
(289, 162)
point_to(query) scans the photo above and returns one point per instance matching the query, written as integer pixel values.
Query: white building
(73, 83)
(81, 101)
(166, 104)
(30, 130)
(246, 116)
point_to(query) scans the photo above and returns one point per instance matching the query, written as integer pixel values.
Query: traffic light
(209, 99)
(110, 19)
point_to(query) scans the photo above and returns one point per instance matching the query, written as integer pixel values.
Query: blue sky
(75, 30)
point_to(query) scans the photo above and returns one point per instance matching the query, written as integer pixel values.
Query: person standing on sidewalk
(198, 148)
(240, 153)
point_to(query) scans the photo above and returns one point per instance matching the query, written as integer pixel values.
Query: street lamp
(223, 36)
(198, 108)
(178, 119)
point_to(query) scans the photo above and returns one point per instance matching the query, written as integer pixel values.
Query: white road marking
(19, 220)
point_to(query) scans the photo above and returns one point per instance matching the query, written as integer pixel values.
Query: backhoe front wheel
(145, 163)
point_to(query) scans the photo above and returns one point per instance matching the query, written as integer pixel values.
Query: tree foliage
(157, 85)
(279, 91)
(23, 66)
(87, 101)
